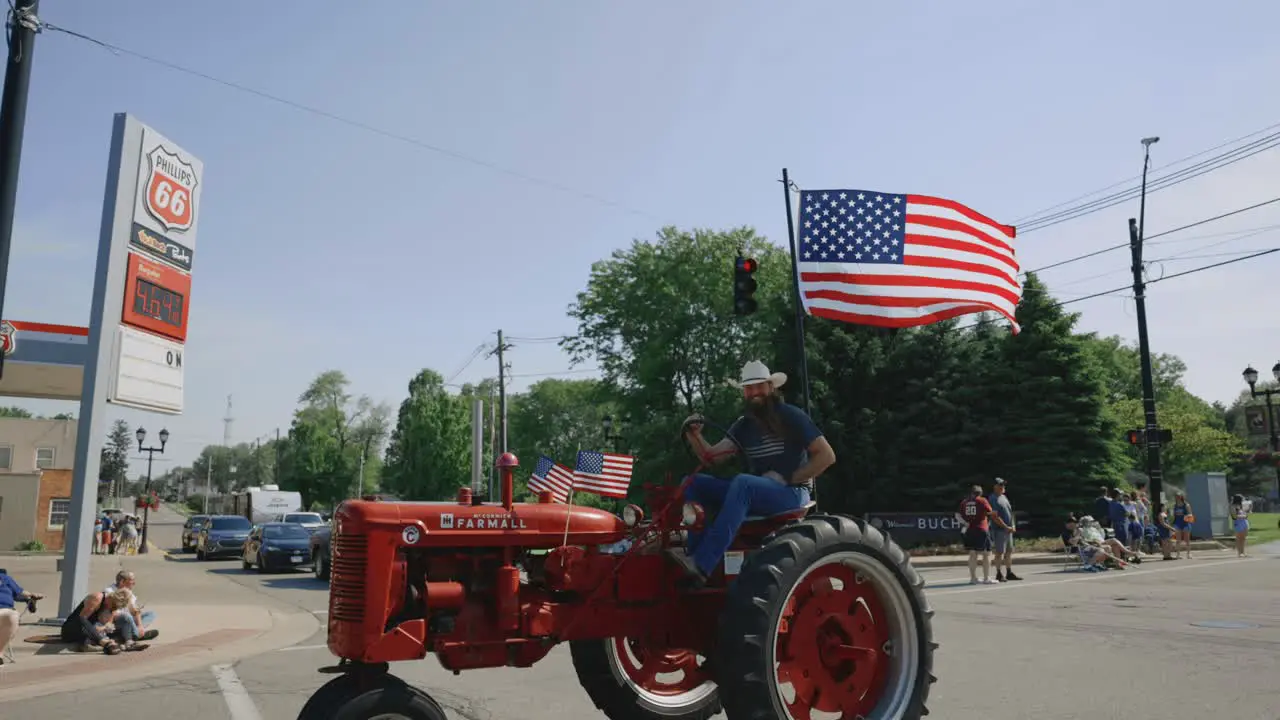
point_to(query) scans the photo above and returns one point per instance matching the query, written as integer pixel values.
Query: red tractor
(808, 613)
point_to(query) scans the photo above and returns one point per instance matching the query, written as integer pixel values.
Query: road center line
(239, 704)
(303, 647)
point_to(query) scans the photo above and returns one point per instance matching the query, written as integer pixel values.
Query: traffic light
(1139, 437)
(744, 285)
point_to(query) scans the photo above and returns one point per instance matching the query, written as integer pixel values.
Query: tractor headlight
(632, 515)
(691, 514)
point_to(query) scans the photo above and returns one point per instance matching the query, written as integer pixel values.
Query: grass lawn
(1263, 528)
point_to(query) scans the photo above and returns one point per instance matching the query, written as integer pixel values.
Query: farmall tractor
(809, 616)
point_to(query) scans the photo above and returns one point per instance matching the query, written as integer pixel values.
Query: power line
(1129, 287)
(1137, 178)
(475, 354)
(423, 145)
(1159, 183)
(579, 371)
(1165, 233)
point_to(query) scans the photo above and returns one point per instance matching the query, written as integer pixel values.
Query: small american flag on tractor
(602, 473)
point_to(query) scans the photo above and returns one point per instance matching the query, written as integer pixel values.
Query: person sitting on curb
(89, 625)
(10, 594)
(1086, 538)
(132, 614)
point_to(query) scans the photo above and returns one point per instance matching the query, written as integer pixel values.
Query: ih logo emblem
(446, 521)
(170, 190)
(8, 338)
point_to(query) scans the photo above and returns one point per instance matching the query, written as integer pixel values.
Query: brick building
(36, 457)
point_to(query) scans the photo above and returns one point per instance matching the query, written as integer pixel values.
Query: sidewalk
(202, 619)
(1209, 547)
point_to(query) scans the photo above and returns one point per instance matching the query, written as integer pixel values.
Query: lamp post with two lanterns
(610, 437)
(141, 434)
(1251, 378)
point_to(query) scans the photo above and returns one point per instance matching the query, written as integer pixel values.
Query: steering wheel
(705, 461)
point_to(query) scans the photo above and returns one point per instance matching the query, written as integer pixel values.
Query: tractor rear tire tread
(763, 583)
(616, 700)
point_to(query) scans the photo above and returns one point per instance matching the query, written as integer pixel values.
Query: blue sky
(323, 245)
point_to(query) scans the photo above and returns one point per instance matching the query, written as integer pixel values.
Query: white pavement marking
(239, 704)
(303, 647)
(1089, 576)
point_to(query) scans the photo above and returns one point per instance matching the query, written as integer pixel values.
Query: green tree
(557, 418)
(1201, 442)
(429, 454)
(330, 432)
(1061, 443)
(114, 460)
(657, 318)
(14, 411)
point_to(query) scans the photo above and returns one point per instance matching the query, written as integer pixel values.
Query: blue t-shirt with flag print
(769, 452)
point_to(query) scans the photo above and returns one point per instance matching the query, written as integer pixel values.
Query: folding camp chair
(1071, 558)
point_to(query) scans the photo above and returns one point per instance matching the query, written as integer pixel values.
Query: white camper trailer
(263, 504)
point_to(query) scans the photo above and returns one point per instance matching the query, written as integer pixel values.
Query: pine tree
(1059, 439)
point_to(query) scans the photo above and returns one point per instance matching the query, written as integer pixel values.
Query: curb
(287, 629)
(962, 561)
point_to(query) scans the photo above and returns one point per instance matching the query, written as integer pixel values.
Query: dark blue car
(222, 536)
(276, 546)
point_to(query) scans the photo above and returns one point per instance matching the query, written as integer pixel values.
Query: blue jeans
(128, 628)
(733, 501)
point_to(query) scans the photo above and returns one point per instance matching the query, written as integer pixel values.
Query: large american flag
(551, 477)
(607, 474)
(889, 260)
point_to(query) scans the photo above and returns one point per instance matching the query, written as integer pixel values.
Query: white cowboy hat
(756, 372)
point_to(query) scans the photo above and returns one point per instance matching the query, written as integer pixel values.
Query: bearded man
(787, 451)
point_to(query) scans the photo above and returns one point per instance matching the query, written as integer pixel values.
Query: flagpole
(569, 505)
(802, 354)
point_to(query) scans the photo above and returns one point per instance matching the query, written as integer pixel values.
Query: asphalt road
(1055, 646)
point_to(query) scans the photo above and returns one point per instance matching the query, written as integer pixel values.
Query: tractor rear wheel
(829, 617)
(629, 681)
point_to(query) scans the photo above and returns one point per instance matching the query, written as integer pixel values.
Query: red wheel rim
(644, 667)
(833, 644)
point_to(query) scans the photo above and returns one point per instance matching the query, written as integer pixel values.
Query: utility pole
(502, 391)
(22, 26)
(226, 425)
(493, 439)
(360, 494)
(1151, 436)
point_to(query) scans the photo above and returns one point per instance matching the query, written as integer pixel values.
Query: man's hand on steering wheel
(691, 431)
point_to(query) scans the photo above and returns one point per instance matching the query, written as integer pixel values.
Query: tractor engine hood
(452, 524)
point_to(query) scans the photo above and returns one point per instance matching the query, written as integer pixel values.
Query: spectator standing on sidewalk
(1002, 531)
(975, 513)
(1102, 506)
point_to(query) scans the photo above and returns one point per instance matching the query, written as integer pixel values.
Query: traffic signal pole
(802, 356)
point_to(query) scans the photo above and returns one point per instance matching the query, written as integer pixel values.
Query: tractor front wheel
(827, 617)
(324, 702)
(388, 697)
(628, 680)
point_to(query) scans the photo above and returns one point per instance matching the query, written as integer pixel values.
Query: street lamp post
(1251, 377)
(141, 434)
(610, 437)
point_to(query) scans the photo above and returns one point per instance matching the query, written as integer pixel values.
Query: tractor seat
(757, 526)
